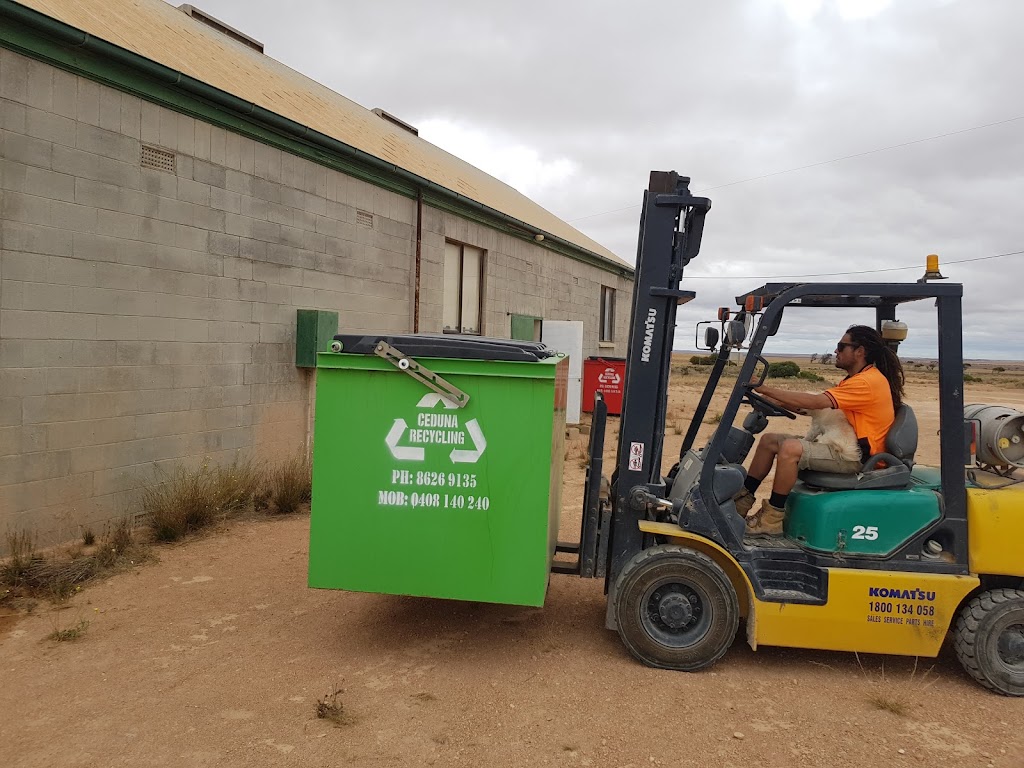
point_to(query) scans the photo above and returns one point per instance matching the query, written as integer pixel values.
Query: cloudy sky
(831, 135)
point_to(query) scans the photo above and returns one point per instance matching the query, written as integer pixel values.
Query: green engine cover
(859, 522)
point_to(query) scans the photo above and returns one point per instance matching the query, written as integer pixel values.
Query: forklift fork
(592, 548)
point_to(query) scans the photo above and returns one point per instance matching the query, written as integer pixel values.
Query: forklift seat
(900, 443)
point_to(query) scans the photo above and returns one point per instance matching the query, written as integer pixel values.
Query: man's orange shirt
(866, 400)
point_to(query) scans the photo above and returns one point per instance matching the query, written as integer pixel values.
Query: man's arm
(796, 401)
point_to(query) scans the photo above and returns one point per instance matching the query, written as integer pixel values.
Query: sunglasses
(844, 344)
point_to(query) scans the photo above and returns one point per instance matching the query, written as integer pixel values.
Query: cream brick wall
(148, 318)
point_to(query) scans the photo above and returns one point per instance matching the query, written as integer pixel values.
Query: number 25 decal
(861, 532)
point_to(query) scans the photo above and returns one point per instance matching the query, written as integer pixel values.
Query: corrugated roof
(160, 32)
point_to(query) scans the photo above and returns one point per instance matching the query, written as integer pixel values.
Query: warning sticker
(636, 456)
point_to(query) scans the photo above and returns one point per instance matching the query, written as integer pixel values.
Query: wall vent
(364, 219)
(158, 159)
(225, 29)
(396, 121)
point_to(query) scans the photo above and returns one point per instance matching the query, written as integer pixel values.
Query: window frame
(607, 315)
(460, 305)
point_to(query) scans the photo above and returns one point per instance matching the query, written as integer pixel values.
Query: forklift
(885, 561)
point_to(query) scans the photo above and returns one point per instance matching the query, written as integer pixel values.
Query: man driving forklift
(869, 397)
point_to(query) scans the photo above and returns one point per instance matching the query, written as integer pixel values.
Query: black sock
(752, 483)
(778, 500)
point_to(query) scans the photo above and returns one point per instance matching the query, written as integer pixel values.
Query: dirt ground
(218, 654)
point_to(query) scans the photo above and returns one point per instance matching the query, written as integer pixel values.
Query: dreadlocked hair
(882, 357)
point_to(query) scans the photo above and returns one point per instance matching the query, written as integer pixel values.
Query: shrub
(60, 573)
(810, 376)
(783, 370)
(703, 359)
(969, 377)
(22, 548)
(291, 484)
(998, 369)
(192, 499)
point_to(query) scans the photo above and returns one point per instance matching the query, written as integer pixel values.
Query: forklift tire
(990, 640)
(675, 608)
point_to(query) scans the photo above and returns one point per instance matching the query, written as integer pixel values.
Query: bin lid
(447, 345)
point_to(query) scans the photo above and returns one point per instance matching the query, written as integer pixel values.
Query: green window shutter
(525, 327)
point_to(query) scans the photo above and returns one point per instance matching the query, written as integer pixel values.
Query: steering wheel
(762, 405)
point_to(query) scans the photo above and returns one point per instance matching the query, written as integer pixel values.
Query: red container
(606, 375)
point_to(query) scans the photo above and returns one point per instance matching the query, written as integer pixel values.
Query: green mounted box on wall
(314, 331)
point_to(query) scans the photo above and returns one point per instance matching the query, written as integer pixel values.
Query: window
(463, 288)
(607, 313)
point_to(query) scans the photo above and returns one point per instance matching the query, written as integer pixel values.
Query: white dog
(829, 426)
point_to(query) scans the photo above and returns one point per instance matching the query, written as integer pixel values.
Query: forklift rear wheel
(990, 640)
(675, 608)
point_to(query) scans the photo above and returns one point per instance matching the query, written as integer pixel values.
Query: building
(171, 197)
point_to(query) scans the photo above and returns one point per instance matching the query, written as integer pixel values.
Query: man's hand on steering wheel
(763, 405)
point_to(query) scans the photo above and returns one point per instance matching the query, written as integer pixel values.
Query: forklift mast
(671, 226)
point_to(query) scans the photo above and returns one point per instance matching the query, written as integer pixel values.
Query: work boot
(744, 500)
(767, 521)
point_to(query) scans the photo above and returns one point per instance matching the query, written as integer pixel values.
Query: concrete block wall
(522, 278)
(147, 318)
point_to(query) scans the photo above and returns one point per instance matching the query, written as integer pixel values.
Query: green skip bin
(437, 467)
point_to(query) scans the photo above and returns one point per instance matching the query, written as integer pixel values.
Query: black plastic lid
(447, 345)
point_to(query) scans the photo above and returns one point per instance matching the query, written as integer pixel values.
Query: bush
(810, 376)
(192, 499)
(60, 573)
(785, 370)
(704, 359)
(291, 485)
(969, 377)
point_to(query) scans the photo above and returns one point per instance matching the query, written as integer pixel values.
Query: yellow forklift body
(995, 524)
(868, 611)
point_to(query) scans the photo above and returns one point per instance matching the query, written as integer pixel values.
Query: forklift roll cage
(779, 571)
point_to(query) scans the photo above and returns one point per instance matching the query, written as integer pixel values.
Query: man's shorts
(824, 458)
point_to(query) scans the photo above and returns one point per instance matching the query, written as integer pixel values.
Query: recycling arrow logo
(402, 453)
(436, 429)
(479, 444)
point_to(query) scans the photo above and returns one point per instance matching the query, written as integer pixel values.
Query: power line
(837, 274)
(818, 164)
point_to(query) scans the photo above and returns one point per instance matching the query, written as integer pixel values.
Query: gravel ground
(218, 654)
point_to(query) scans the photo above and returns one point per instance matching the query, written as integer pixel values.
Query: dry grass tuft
(331, 708)
(59, 574)
(890, 701)
(192, 499)
(70, 633)
(896, 696)
(291, 485)
(22, 548)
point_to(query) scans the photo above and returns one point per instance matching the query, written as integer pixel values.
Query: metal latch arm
(422, 374)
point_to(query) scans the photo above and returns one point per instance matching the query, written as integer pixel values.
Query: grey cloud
(721, 92)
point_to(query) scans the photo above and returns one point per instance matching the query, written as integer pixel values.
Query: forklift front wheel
(675, 608)
(990, 640)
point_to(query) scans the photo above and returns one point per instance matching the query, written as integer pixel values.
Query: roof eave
(409, 182)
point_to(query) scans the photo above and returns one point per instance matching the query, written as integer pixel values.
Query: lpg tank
(1000, 434)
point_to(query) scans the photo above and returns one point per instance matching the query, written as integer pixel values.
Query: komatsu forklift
(885, 561)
